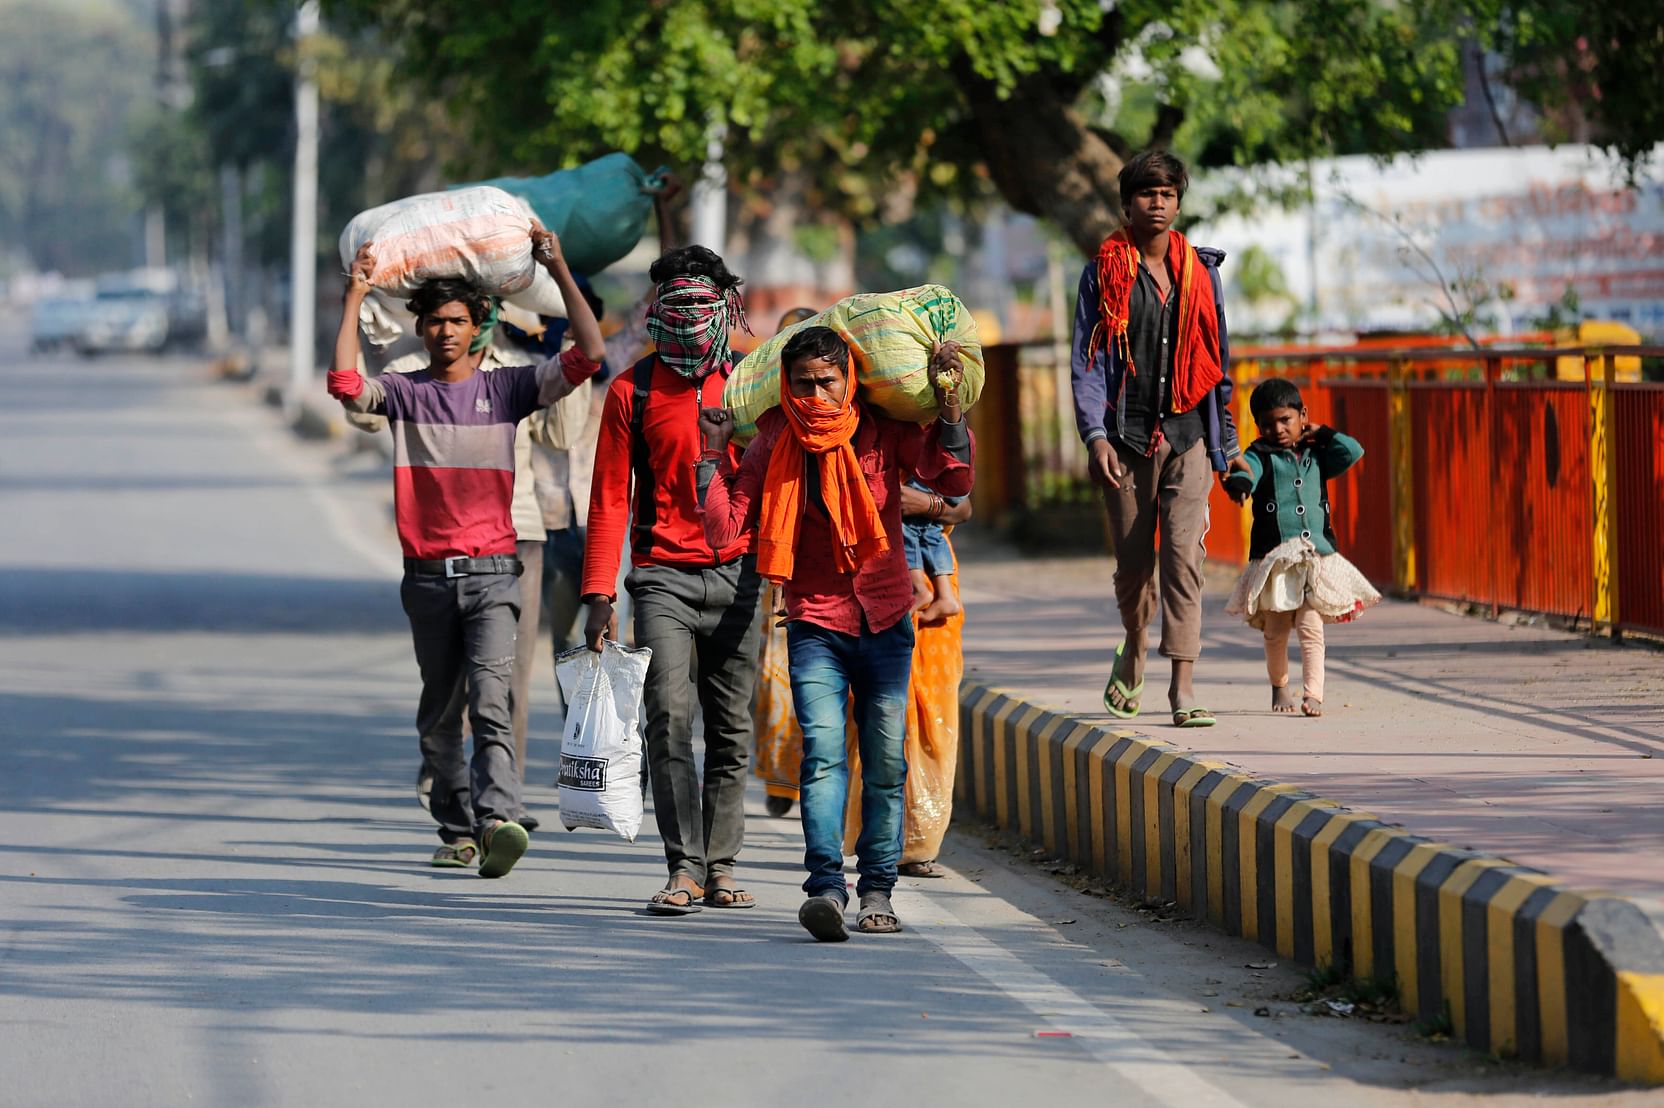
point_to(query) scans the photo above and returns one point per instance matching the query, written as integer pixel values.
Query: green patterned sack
(890, 335)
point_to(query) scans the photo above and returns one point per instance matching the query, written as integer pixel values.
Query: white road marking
(1167, 1079)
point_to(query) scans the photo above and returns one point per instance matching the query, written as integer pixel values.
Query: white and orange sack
(480, 235)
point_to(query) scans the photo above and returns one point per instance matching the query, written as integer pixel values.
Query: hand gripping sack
(542, 296)
(479, 235)
(600, 751)
(890, 335)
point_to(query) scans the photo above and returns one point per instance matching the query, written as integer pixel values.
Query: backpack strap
(645, 513)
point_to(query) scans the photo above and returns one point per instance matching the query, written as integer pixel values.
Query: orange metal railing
(1488, 476)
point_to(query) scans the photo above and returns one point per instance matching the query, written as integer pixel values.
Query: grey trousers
(525, 644)
(1172, 490)
(704, 618)
(464, 630)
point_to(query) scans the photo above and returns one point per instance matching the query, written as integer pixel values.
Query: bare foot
(1282, 699)
(942, 605)
(1311, 706)
(722, 891)
(1127, 673)
(923, 594)
(1181, 692)
(677, 897)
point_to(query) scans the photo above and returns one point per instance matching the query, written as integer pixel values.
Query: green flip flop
(457, 855)
(504, 844)
(1130, 696)
(1193, 717)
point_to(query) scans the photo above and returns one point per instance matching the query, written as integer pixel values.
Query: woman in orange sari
(779, 751)
(932, 743)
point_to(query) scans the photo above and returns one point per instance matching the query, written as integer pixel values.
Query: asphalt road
(213, 886)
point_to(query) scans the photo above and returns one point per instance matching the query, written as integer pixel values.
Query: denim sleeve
(955, 438)
(1086, 374)
(1229, 441)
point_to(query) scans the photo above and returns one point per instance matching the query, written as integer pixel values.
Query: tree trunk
(1045, 160)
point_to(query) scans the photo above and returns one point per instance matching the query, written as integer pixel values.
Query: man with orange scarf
(821, 487)
(1153, 404)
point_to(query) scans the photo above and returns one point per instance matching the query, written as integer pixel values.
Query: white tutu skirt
(1294, 574)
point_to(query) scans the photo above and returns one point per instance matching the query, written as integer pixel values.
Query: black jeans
(708, 618)
(464, 629)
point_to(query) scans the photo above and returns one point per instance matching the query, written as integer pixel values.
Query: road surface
(214, 889)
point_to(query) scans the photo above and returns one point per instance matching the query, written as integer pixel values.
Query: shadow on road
(48, 600)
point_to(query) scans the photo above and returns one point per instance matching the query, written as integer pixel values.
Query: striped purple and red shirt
(453, 451)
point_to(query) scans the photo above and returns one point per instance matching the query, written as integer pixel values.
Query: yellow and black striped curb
(1522, 965)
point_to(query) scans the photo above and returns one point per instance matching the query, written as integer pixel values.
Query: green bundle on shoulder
(890, 336)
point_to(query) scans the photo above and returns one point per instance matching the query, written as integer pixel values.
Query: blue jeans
(927, 548)
(832, 674)
(924, 543)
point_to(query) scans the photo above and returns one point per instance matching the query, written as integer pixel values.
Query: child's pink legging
(1309, 624)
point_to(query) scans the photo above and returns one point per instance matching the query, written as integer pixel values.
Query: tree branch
(1168, 120)
(1043, 157)
(1069, 85)
(1114, 140)
(1490, 94)
(1455, 317)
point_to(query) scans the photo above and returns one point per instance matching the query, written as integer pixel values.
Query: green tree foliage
(379, 139)
(70, 71)
(876, 97)
(1600, 63)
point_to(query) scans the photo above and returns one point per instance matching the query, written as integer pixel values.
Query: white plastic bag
(600, 752)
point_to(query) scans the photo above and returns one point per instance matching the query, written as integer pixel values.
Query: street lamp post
(303, 258)
(709, 204)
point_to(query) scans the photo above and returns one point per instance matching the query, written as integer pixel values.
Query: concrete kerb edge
(1521, 964)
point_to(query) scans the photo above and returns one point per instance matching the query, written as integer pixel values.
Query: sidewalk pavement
(1471, 824)
(1535, 744)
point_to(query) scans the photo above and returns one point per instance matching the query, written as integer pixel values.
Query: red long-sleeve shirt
(670, 426)
(879, 592)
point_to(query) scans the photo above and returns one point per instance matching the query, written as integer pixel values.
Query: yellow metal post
(1403, 477)
(1603, 472)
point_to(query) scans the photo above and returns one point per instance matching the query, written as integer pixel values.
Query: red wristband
(345, 384)
(578, 368)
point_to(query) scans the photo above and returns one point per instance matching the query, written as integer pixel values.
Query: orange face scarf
(1196, 364)
(817, 430)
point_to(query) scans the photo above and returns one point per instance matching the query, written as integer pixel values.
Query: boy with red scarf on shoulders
(1152, 392)
(821, 488)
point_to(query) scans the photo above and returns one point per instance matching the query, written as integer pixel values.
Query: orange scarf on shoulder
(816, 430)
(1197, 367)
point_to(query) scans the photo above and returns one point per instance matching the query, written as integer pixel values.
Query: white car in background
(56, 322)
(125, 319)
